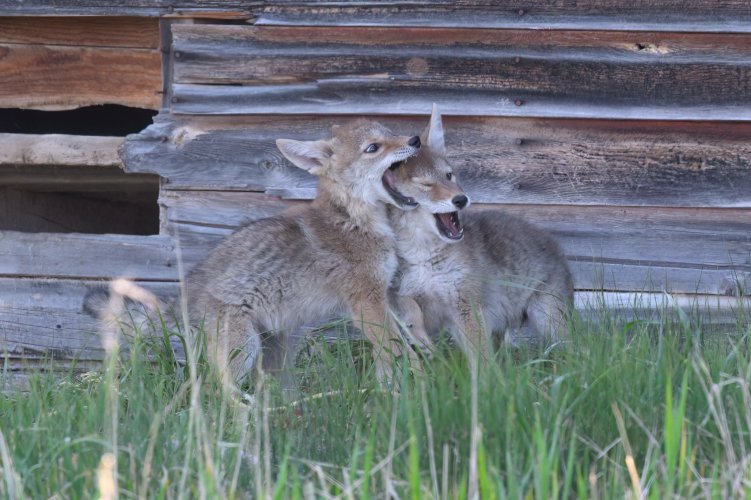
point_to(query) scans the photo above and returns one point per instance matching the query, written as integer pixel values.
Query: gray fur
(504, 270)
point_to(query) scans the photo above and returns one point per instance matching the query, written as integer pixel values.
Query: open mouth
(449, 225)
(389, 182)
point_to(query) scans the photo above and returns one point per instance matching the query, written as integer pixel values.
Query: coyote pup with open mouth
(477, 274)
(335, 256)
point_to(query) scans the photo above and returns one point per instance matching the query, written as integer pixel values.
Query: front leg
(410, 313)
(472, 334)
(374, 320)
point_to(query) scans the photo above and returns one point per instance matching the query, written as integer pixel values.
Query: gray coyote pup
(475, 275)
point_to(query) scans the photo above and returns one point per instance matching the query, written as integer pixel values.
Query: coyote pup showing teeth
(311, 263)
(483, 277)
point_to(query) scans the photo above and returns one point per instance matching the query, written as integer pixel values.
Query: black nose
(414, 141)
(460, 201)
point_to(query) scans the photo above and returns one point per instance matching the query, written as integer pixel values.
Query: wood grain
(499, 160)
(640, 15)
(44, 318)
(149, 258)
(54, 78)
(610, 248)
(81, 31)
(248, 69)
(211, 9)
(59, 149)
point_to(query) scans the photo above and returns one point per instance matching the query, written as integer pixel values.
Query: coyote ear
(434, 133)
(307, 155)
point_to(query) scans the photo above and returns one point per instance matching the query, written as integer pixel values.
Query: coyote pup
(311, 263)
(475, 279)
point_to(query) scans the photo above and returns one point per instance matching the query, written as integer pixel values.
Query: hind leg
(279, 353)
(233, 343)
(547, 315)
(472, 335)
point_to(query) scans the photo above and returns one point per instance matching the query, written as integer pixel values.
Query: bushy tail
(109, 304)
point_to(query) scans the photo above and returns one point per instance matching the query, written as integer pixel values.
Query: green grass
(623, 407)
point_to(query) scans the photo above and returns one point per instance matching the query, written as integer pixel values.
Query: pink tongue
(446, 220)
(390, 179)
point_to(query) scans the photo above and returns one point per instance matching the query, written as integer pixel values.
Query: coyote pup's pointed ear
(434, 132)
(307, 155)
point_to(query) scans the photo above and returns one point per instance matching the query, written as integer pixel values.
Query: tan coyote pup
(334, 256)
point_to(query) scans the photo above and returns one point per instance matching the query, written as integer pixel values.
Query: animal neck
(355, 213)
(413, 239)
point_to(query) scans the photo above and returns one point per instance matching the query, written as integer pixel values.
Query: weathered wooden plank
(149, 258)
(54, 78)
(499, 160)
(728, 313)
(44, 319)
(641, 15)
(59, 149)
(365, 96)
(211, 9)
(253, 55)
(610, 248)
(468, 72)
(711, 237)
(81, 31)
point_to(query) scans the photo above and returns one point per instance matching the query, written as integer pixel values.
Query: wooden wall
(623, 128)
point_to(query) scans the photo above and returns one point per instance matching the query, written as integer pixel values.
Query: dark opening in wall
(95, 200)
(109, 120)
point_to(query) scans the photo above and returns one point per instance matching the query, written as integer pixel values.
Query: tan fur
(335, 256)
(503, 271)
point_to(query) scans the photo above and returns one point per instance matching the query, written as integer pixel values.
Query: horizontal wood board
(59, 149)
(50, 77)
(104, 256)
(43, 319)
(133, 32)
(499, 160)
(609, 248)
(640, 15)
(213, 9)
(257, 70)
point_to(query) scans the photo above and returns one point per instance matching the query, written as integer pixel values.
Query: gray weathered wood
(499, 160)
(365, 96)
(641, 15)
(149, 258)
(43, 319)
(610, 248)
(219, 9)
(468, 72)
(58, 149)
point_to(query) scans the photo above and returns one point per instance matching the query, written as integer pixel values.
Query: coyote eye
(449, 176)
(372, 148)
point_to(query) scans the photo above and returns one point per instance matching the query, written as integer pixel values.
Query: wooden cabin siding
(65, 63)
(624, 128)
(257, 70)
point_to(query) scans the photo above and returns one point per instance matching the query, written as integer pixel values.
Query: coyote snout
(359, 161)
(429, 180)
